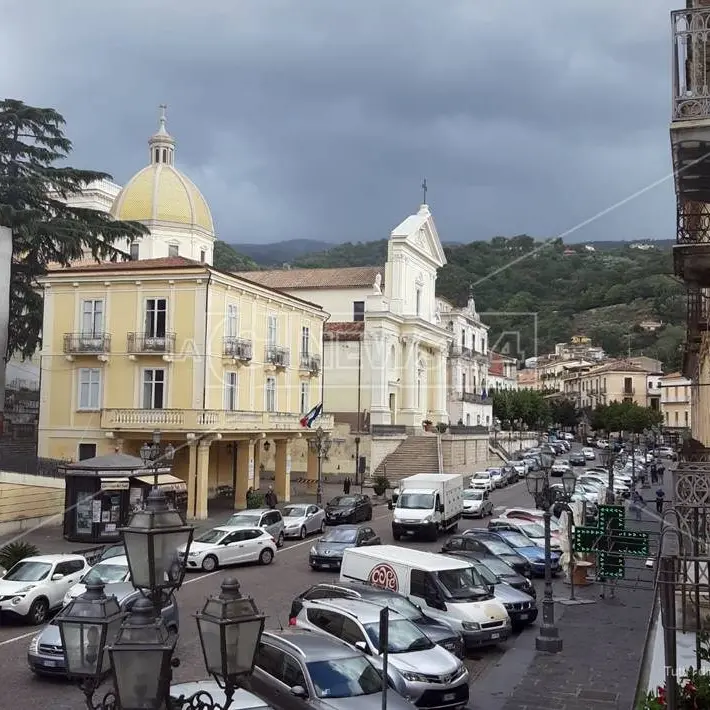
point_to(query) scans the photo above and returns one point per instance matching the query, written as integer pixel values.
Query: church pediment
(418, 232)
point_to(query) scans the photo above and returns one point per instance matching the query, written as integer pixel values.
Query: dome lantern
(162, 144)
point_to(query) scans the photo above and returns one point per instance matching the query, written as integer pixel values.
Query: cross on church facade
(611, 541)
(424, 190)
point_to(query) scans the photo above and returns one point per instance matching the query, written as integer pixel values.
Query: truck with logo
(445, 588)
(428, 504)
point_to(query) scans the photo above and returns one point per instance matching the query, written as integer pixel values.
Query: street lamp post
(608, 458)
(357, 463)
(320, 446)
(141, 655)
(154, 455)
(538, 484)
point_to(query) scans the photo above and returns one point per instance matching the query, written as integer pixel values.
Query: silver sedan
(303, 519)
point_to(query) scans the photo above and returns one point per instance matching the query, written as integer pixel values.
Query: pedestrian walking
(637, 504)
(270, 498)
(660, 495)
(250, 490)
(346, 485)
(654, 474)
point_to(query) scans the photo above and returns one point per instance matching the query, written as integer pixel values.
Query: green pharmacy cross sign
(610, 541)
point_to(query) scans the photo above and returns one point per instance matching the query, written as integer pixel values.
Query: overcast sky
(320, 118)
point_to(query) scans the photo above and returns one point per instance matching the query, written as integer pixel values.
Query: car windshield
(210, 536)
(246, 520)
(486, 575)
(462, 583)
(294, 511)
(28, 571)
(533, 529)
(416, 501)
(473, 495)
(340, 535)
(482, 476)
(403, 636)
(497, 547)
(518, 540)
(498, 567)
(106, 573)
(344, 677)
(343, 501)
(113, 551)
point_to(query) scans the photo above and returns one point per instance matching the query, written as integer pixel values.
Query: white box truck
(447, 588)
(427, 504)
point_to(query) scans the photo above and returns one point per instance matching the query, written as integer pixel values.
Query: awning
(166, 481)
(115, 484)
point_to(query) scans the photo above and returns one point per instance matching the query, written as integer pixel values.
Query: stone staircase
(416, 454)
(498, 452)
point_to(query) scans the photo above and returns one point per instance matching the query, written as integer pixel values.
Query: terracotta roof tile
(351, 277)
(168, 262)
(344, 330)
(617, 366)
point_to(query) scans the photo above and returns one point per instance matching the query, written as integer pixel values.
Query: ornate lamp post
(608, 458)
(153, 455)
(538, 484)
(320, 446)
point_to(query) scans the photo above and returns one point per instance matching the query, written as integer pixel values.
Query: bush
(441, 427)
(255, 500)
(13, 552)
(380, 485)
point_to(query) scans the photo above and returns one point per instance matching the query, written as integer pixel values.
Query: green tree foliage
(518, 408)
(624, 416)
(42, 229)
(533, 295)
(563, 413)
(227, 258)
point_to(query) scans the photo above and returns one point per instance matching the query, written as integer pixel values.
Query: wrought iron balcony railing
(86, 343)
(458, 350)
(691, 64)
(146, 344)
(472, 398)
(237, 348)
(310, 363)
(275, 355)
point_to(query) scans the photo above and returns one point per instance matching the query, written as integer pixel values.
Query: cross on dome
(162, 144)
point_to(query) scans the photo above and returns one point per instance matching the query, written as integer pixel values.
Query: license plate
(495, 636)
(522, 617)
(51, 664)
(448, 697)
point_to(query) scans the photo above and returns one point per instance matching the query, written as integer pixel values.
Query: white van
(446, 588)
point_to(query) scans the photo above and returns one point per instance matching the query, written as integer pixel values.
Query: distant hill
(280, 253)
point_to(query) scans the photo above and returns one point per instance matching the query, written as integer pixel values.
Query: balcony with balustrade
(237, 349)
(147, 344)
(86, 344)
(310, 364)
(277, 357)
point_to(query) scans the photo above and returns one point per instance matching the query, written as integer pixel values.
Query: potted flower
(427, 424)
(380, 485)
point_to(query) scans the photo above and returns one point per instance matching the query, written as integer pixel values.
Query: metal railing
(472, 398)
(146, 344)
(311, 363)
(692, 222)
(32, 465)
(691, 64)
(275, 355)
(86, 343)
(237, 348)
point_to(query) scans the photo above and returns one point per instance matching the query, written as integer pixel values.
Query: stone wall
(517, 441)
(464, 453)
(27, 501)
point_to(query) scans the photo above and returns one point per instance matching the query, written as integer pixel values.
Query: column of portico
(439, 403)
(377, 370)
(192, 480)
(410, 412)
(245, 456)
(203, 469)
(257, 464)
(282, 476)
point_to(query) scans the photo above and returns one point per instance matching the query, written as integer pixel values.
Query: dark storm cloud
(320, 118)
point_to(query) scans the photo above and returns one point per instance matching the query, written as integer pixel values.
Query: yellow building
(218, 364)
(676, 404)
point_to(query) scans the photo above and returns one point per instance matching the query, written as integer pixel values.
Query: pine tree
(37, 228)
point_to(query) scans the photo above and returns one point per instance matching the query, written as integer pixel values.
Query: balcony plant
(427, 424)
(441, 427)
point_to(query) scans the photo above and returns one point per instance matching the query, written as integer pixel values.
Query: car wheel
(38, 612)
(302, 532)
(396, 536)
(209, 564)
(280, 540)
(322, 527)
(266, 557)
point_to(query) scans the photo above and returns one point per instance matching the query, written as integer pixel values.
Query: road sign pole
(384, 645)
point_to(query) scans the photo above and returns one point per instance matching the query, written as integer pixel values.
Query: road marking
(311, 541)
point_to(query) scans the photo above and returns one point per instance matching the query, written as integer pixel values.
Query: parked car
(320, 672)
(521, 467)
(560, 467)
(588, 453)
(45, 655)
(111, 571)
(489, 544)
(476, 504)
(351, 508)
(532, 530)
(602, 444)
(241, 700)
(420, 670)
(36, 585)
(225, 545)
(577, 459)
(667, 452)
(117, 550)
(533, 553)
(437, 631)
(531, 515)
(498, 567)
(482, 481)
(497, 478)
(327, 553)
(303, 520)
(265, 518)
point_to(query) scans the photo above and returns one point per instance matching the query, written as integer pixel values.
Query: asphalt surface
(273, 589)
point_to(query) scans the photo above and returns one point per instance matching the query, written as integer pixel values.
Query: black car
(351, 508)
(577, 459)
(488, 543)
(498, 567)
(437, 631)
(327, 552)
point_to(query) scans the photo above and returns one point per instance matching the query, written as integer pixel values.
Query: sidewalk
(600, 663)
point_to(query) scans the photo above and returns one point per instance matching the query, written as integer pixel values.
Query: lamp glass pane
(242, 641)
(137, 674)
(137, 544)
(83, 648)
(169, 566)
(210, 637)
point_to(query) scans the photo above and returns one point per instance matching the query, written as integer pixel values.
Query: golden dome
(161, 193)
